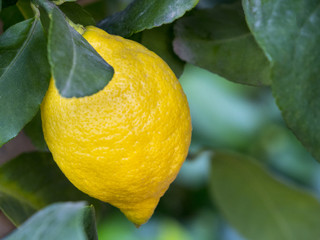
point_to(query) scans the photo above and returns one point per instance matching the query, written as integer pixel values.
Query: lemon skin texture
(125, 144)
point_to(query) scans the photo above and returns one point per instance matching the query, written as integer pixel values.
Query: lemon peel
(125, 144)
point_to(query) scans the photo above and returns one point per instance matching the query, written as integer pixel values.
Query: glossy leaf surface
(289, 33)
(145, 14)
(58, 221)
(77, 14)
(77, 68)
(219, 40)
(24, 76)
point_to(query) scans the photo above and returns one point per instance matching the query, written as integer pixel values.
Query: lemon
(125, 144)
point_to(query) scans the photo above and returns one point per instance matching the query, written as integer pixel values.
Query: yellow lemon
(125, 144)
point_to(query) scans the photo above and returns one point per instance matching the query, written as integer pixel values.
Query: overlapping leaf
(24, 76)
(10, 16)
(258, 205)
(77, 68)
(219, 40)
(59, 2)
(34, 131)
(145, 14)
(72, 221)
(77, 14)
(212, 3)
(8, 3)
(289, 33)
(160, 40)
(30, 182)
(25, 8)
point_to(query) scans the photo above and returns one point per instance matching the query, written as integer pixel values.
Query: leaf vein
(22, 49)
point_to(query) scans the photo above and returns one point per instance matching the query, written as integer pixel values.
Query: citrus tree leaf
(34, 131)
(145, 14)
(219, 40)
(77, 68)
(17, 210)
(10, 16)
(8, 3)
(25, 8)
(100, 9)
(77, 14)
(212, 3)
(160, 40)
(58, 221)
(24, 76)
(32, 181)
(97, 9)
(59, 2)
(89, 223)
(289, 33)
(272, 210)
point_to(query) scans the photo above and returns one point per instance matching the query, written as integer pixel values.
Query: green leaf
(32, 181)
(25, 8)
(77, 68)
(89, 223)
(59, 2)
(100, 9)
(77, 14)
(272, 210)
(58, 221)
(24, 76)
(289, 33)
(34, 131)
(212, 3)
(8, 3)
(219, 40)
(97, 9)
(16, 209)
(145, 14)
(159, 40)
(10, 16)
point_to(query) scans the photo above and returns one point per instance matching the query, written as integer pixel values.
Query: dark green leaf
(89, 223)
(145, 14)
(289, 33)
(100, 9)
(258, 205)
(7, 3)
(97, 9)
(16, 209)
(220, 41)
(58, 221)
(77, 68)
(59, 2)
(34, 131)
(10, 16)
(32, 181)
(24, 76)
(25, 8)
(212, 3)
(159, 40)
(77, 14)
(136, 37)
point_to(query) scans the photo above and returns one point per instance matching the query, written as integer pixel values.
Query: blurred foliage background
(225, 115)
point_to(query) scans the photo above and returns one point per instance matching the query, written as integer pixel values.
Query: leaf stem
(78, 27)
(49, 6)
(35, 10)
